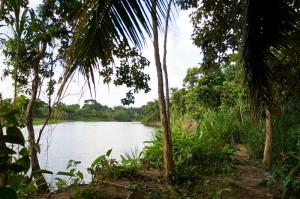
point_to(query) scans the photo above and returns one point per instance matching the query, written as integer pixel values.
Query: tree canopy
(262, 38)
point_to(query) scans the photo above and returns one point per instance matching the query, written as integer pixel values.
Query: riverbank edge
(41, 121)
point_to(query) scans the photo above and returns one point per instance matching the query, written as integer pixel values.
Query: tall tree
(166, 78)
(165, 119)
(106, 25)
(23, 54)
(34, 38)
(165, 68)
(262, 38)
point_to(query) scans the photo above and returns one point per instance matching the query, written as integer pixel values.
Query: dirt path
(247, 184)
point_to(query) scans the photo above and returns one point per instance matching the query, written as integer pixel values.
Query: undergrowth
(207, 150)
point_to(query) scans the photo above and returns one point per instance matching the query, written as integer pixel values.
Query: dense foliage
(210, 115)
(91, 110)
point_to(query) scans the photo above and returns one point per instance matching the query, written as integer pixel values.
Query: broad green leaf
(13, 182)
(80, 175)
(16, 135)
(63, 173)
(25, 162)
(24, 152)
(99, 159)
(6, 151)
(108, 152)
(16, 167)
(72, 171)
(12, 139)
(6, 192)
(43, 171)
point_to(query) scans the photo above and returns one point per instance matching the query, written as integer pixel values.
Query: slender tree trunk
(166, 69)
(167, 146)
(3, 176)
(268, 143)
(40, 180)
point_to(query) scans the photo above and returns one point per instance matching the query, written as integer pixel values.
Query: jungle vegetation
(246, 90)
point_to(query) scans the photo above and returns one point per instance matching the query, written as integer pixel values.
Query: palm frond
(107, 23)
(265, 39)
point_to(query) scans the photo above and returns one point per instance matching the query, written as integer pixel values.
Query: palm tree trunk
(268, 143)
(167, 146)
(40, 180)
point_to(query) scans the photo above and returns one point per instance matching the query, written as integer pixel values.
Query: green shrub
(207, 150)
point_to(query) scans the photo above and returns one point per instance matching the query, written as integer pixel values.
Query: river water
(85, 141)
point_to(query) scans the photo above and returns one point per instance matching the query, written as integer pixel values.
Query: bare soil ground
(247, 184)
(148, 184)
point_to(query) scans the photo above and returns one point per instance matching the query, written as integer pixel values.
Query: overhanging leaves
(265, 38)
(104, 25)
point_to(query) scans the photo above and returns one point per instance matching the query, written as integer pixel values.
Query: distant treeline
(91, 110)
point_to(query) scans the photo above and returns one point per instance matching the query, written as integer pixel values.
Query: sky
(181, 55)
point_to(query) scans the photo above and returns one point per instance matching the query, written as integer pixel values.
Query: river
(85, 141)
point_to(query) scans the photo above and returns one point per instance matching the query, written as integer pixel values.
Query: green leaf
(24, 152)
(15, 135)
(108, 152)
(99, 159)
(12, 139)
(25, 162)
(80, 175)
(16, 167)
(6, 192)
(148, 142)
(13, 182)
(72, 171)
(70, 163)
(6, 151)
(43, 171)
(61, 182)
(123, 158)
(31, 188)
(77, 162)
(63, 173)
